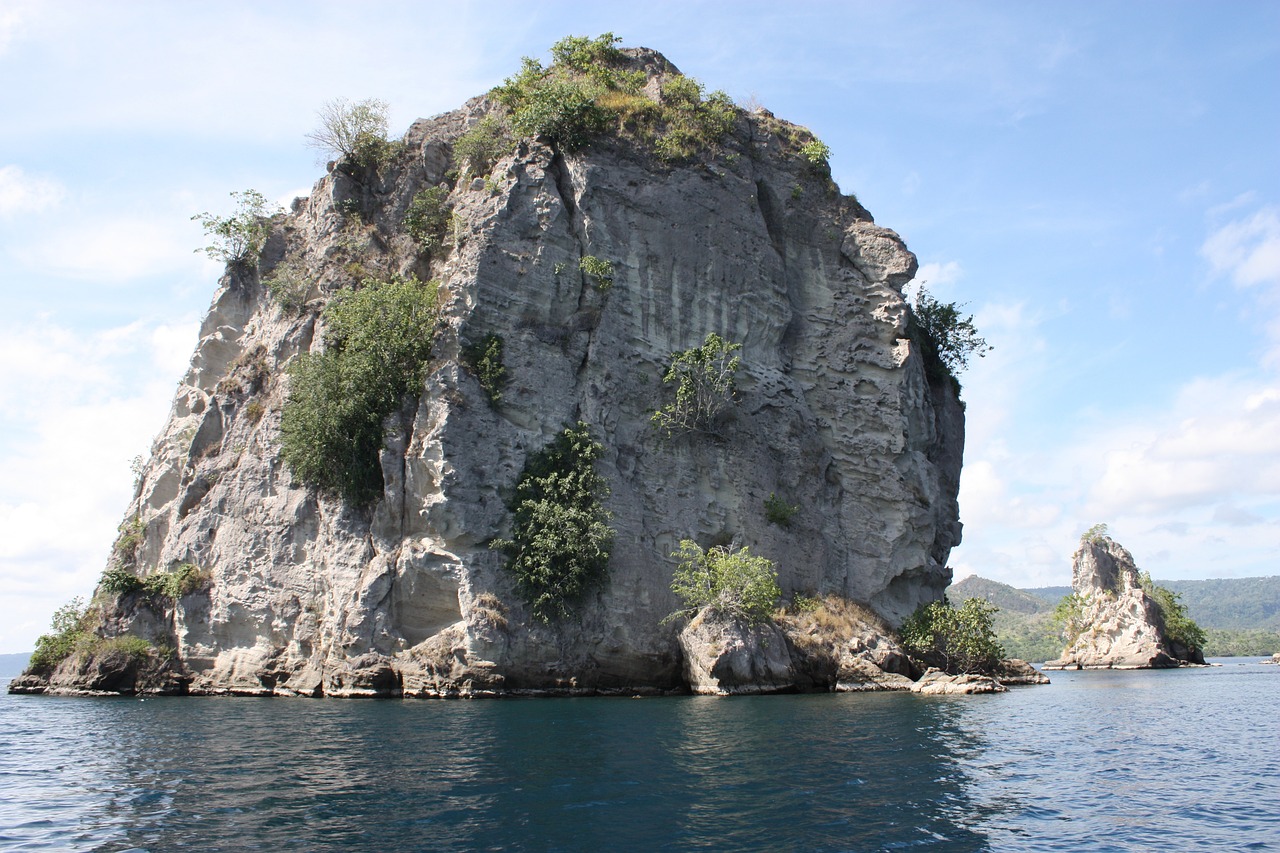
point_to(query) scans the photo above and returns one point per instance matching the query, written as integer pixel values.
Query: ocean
(1154, 760)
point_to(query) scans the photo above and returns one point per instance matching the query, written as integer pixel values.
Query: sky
(1097, 182)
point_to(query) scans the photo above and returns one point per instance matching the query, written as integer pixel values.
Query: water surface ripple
(1181, 760)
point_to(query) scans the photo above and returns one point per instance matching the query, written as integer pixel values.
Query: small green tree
(732, 583)
(377, 342)
(484, 357)
(956, 640)
(778, 511)
(704, 378)
(354, 130)
(1068, 617)
(482, 144)
(949, 339)
(238, 238)
(1179, 627)
(816, 153)
(599, 269)
(69, 628)
(1094, 534)
(427, 218)
(560, 538)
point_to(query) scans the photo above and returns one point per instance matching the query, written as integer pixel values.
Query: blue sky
(1099, 182)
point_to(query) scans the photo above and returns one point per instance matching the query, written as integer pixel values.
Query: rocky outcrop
(935, 682)
(724, 657)
(1117, 624)
(835, 413)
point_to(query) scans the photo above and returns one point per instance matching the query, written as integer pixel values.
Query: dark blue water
(1181, 760)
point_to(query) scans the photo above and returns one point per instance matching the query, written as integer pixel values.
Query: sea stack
(1116, 624)
(569, 264)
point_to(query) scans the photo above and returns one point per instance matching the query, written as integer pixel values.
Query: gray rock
(1015, 671)
(1120, 625)
(835, 413)
(935, 682)
(723, 656)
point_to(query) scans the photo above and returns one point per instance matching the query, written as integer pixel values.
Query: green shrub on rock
(427, 219)
(69, 629)
(482, 144)
(238, 238)
(704, 378)
(484, 357)
(957, 640)
(1179, 627)
(377, 342)
(733, 583)
(947, 340)
(561, 538)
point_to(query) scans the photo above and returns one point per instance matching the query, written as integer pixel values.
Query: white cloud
(12, 20)
(1247, 249)
(938, 275)
(114, 249)
(74, 409)
(24, 194)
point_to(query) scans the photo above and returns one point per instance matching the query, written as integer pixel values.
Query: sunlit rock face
(1120, 626)
(834, 414)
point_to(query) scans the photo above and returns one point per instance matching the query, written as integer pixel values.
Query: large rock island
(1115, 620)
(566, 274)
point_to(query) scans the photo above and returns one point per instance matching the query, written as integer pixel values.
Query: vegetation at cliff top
(957, 640)
(704, 378)
(560, 538)
(238, 238)
(357, 131)
(731, 582)
(587, 91)
(376, 344)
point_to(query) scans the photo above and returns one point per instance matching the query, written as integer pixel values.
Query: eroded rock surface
(1119, 625)
(835, 414)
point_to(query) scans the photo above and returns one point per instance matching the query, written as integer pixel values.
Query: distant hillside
(1024, 622)
(11, 666)
(1051, 594)
(1231, 603)
(1001, 595)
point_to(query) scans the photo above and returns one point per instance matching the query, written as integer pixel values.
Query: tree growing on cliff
(560, 537)
(704, 378)
(1179, 627)
(355, 130)
(238, 238)
(377, 342)
(948, 340)
(731, 582)
(957, 640)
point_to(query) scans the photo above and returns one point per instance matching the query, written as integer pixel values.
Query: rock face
(835, 414)
(1119, 625)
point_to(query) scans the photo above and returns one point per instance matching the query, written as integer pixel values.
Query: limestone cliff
(1118, 625)
(307, 594)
